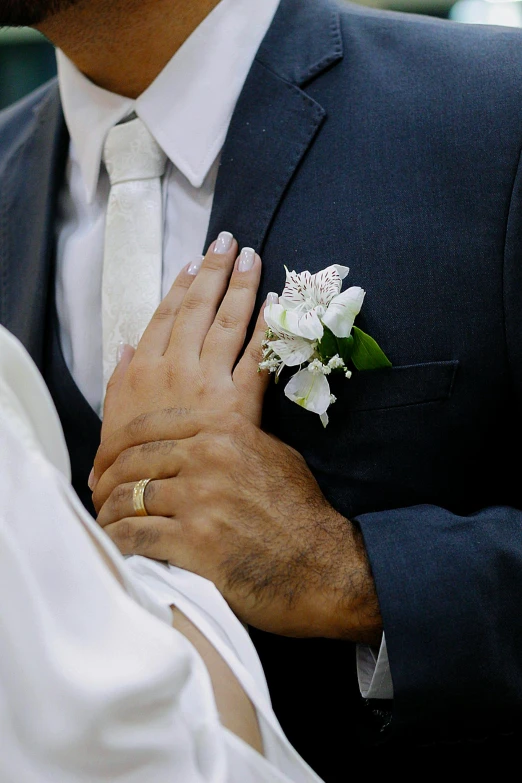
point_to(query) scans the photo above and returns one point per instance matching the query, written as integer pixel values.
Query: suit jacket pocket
(389, 437)
(385, 389)
(394, 387)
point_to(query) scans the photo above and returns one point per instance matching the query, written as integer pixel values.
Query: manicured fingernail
(223, 242)
(246, 259)
(195, 266)
(272, 298)
(90, 481)
(119, 351)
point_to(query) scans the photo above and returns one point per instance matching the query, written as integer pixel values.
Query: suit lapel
(29, 179)
(275, 121)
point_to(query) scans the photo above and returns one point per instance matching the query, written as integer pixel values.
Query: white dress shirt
(187, 109)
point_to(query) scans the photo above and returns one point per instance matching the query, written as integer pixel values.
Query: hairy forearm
(340, 581)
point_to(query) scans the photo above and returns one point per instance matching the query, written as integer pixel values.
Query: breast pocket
(395, 387)
(387, 441)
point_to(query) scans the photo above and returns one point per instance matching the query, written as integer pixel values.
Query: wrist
(353, 607)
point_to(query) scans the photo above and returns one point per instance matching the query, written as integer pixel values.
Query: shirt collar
(188, 107)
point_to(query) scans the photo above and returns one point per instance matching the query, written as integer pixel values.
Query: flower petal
(287, 322)
(297, 283)
(273, 315)
(342, 310)
(325, 285)
(293, 350)
(309, 326)
(342, 271)
(310, 391)
(294, 304)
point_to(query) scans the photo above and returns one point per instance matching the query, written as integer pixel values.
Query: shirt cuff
(373, 672)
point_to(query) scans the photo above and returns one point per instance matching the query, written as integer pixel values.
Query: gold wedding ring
(138, 499)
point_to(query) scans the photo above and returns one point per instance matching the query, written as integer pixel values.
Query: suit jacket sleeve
(450, 585)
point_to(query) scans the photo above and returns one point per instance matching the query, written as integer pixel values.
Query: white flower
(296, 324)
(310, 301)
(291, 348)
(304, 292)
(310, 391)
(336, 363)
(271, 364)
(341, 312)
(318, 368)
(290, 322)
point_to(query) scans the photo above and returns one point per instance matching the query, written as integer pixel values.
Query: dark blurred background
(27, 59)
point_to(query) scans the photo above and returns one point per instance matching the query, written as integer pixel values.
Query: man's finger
(155, 460)
(153, 537)
(162, 539)
(203, 298)
(226, 336)
(250, 381)
(167, 424)
(156, 336)
(159, 499)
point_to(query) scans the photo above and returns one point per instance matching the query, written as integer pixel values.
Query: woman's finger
(202, 300)
(156, 336)
(249, 380)
(226, 336)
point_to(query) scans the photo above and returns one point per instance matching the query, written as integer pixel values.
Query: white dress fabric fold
(95, 684)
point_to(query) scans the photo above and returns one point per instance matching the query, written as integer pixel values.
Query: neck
(123, 45)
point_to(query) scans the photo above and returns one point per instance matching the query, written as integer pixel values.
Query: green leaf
(345, 346)
(327, 345)
(330, 345)
(366, 353)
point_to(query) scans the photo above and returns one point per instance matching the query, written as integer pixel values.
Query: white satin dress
(95, 684)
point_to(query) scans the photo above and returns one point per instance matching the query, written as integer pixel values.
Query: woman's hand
(187, 357)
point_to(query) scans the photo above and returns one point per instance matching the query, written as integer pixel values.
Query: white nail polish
(272, 298)
(223, 243)
(246, 259)
(195, 266)
(119, 351)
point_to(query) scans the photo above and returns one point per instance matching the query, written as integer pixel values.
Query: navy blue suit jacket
(391, 144)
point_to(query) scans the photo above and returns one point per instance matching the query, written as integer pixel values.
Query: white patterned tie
(132, 261)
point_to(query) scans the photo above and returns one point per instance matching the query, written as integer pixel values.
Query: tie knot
(131, 153)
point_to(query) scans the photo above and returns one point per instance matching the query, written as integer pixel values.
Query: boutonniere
(311, 326)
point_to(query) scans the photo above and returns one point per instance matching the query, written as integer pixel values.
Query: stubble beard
(25, 13)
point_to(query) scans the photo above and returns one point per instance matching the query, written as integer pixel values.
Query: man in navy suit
(390, 144)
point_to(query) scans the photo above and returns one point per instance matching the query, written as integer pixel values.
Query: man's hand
(226, 500)
(242, 509)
